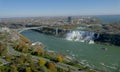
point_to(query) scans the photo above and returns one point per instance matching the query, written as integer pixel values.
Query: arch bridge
(39, 28)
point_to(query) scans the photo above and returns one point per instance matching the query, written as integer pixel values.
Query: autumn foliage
(51, 66)
(42, 62)
(24, 39)
(59, 58)
(22, 47)
(39, 51)
(28, 69)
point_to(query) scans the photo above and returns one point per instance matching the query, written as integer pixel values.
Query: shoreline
(100, 49)
(69, 58)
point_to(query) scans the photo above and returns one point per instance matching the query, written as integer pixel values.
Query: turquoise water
(90, 54)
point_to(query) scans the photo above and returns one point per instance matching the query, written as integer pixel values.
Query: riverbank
(19, 58)
(21, 53)
(51, 55)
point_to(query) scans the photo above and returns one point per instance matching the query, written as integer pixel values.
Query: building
(4, 29)
(70, 19)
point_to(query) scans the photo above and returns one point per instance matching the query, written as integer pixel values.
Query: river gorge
(92, 55)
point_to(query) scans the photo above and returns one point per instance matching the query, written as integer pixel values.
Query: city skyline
(31, 8)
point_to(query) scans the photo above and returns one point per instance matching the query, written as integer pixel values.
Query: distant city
(37, 21)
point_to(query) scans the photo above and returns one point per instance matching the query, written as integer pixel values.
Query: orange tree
(51, 66)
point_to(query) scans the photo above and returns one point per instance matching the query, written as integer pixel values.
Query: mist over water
(81, 36)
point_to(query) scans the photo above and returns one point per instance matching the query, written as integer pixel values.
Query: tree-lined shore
(18, 54)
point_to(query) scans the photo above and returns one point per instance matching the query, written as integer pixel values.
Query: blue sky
(24, 8)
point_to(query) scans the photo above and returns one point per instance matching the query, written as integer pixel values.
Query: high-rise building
(70, 19)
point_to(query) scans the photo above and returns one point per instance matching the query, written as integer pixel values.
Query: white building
(4, 29)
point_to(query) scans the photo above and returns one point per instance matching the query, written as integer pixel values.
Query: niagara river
(88, 54)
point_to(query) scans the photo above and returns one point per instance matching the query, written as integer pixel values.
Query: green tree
(33, 66)
(13, 68)
(43, 69)
(22, 59)
(0, 70)
(8, 57)
(29, 58)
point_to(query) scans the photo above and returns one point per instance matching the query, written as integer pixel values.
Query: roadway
(63, 66)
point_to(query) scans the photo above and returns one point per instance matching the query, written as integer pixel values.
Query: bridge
(38, 28)
(27, 28)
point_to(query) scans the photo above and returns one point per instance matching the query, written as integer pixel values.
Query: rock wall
(109, 38)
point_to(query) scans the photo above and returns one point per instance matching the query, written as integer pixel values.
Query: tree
(19, 46)
(6, 69)
(69, 70)
(59, 58)
(13, 68)
(24, 39)
(0, 69)
(33, 66)
(29, 57)
(50, 66)
(28, 69)
(39, 51)
(8, 57)
(3, 48)
(42, 62)
(43, 69)
(24, 49)
(15, 45)
(22, 59)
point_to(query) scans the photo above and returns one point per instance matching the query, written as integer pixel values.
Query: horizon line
(56, 16)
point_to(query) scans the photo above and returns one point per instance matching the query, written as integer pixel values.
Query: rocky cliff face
(109, 38)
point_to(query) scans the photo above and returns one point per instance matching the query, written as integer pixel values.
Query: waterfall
(81, 36)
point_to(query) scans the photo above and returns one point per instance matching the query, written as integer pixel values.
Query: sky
(30, 8)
